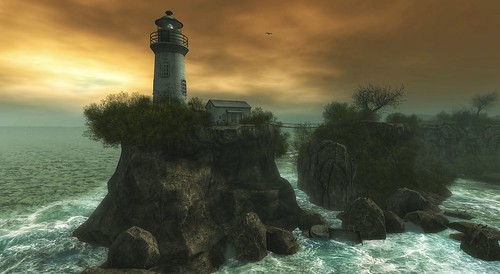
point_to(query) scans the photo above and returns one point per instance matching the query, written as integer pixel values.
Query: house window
(164, 71)
(183, 87)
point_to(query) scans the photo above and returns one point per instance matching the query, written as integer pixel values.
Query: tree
(372, 98)
(481, 102)
(196, 104)
(280, 138)
(336, 113)
(302, 134)
(259, 116)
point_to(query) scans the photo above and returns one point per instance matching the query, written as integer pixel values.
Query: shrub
(259, 116)
(134, 120)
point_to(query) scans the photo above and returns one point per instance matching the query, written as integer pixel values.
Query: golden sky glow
(58, 56)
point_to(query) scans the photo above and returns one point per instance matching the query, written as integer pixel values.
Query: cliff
(189, 195)
(467, 152)
(333, 175)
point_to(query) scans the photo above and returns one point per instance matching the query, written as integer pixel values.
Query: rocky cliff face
(189, 195)
(326, 173)
(468, 152)
(327, 170)
(447, 142)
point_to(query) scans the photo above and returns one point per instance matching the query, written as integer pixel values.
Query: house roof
(229, 104)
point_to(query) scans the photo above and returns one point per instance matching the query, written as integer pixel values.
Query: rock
(281, 241)
(249, 238)
(430, 222)
(345, 235)
(457, 236)
(481, 243)
(319, 232)
(310, 218)
(133, 248)
(465, 227)
(365, 216)
(326, 173)
(393, 224)
(100, 270)
(406, 200)
(458, 214)
(190, 193)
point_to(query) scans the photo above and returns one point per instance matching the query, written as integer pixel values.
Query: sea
(51, 180)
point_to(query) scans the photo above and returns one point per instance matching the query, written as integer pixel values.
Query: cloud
(76, 52)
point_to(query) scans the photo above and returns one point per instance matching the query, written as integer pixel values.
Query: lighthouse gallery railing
(168, 36)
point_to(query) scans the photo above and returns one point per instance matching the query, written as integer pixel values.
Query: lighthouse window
(183, 87)
(164, 72)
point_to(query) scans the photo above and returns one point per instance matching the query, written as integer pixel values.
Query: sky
(58, 56)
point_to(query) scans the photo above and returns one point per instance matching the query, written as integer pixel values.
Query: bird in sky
(269, 33)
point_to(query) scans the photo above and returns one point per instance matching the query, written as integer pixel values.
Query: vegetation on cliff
(386, 155)
(480, 130)
(123, 119)
(259, 116)
(135, 120)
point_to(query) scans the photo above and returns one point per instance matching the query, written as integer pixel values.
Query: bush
(259, 116)
(134, 120)
(302, 134)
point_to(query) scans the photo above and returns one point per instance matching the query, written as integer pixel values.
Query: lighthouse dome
(168, 21)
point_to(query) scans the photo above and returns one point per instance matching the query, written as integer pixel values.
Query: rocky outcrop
(430, 222)
(310, 218)
(477, 240)
(393, 223)
(101, 270)
(461, 214)
(465, 227)
(365, 216)
(190, 194)
(249, 238)
(281, 241)
(406, 200)
(446, 142)
(453, 144)
(326, 173)
(133, 248)
(481, 243)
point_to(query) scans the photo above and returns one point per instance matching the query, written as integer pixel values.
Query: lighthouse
(170, 47)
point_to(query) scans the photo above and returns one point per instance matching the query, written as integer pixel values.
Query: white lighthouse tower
(170, 47)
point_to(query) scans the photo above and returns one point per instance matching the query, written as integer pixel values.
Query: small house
(228, 111)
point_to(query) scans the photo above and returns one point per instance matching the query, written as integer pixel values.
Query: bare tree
(481, 102)
(371, 98)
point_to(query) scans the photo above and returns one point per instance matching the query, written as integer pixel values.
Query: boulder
(345, 235)
(319, 232)
(393, 224)
(325, 172)
(365, 216)
(249, 238)
(457, 236)
(465, 227)
(406, 200)
(310, 218)
(281, 241)
(481, 243)
(429, 221)
(133, 248)
(100, 270)
(461, 214)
